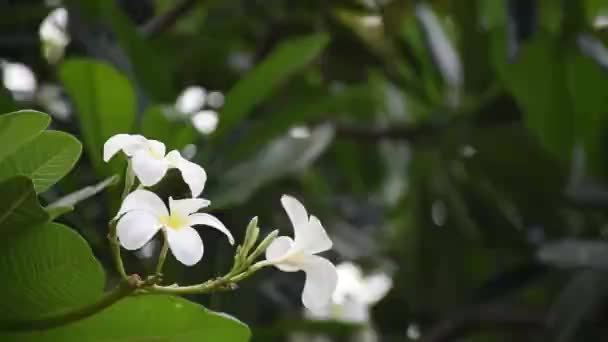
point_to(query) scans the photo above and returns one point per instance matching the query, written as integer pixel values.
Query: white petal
(312, 238)
(188, 206)
(279, 248)
(375, 286)
(193, 174)
(211, 221)
(149, 170)
(321, 281)
(157, 148)
(136, 228)
(126, 142)
(186, 245)
(144, 200)
(296, 212)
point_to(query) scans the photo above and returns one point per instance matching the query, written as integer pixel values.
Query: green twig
(227, 282)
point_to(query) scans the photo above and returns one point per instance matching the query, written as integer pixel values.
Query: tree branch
(125, 288)
(485, 318)
(166, 20)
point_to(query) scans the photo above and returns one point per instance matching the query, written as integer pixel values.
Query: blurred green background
(457, 147)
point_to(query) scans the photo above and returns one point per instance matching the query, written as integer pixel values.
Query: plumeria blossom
(354, 296)
(298, 254)
(143, 214)
(150, 164)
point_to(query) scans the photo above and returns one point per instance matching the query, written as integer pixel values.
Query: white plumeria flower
(354, 296)
(150, 164)
(143, 214)
(299, 254)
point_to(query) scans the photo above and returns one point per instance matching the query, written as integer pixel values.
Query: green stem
(115, 249)
(163, 254)
(124, 288)
(227, 282)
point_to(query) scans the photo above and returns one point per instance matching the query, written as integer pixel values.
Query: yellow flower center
(174, 221)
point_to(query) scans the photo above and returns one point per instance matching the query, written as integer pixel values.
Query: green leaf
(146, 318)
(104, 99)
(48, 268)
(537, 81)
(289, 57)
(19, 207)
(18, 128)
(46, 159)
(176, 134)
(586, 81)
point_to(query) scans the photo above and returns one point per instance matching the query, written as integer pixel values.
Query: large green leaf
(19, 207)
(45, 160)
(104, 99)
(257, 85)
(147, 318)
(45, 270)
(17, 128)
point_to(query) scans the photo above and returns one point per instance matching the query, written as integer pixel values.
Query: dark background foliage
(459, 145)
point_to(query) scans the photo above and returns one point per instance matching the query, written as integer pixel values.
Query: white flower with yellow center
(298, 254)
(143, 214)
(150, 164)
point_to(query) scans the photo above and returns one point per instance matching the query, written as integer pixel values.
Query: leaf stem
(115, 250)
(163, 254)
(124, 288)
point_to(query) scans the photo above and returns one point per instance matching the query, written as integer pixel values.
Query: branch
(484, 318)
(124, 288)
(166, 20)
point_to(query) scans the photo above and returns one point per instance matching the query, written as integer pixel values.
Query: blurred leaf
(104, 99)
(18, 128)
(146, 318)
(281, 157)
(537, 80)
(55, 212)
(522, 24)
(51, 268)
(298, 112)
(288, 58)
(176, 133)
(147, 57)
(19, 207)
(443, 53)
(45, 160)
(573, 253)
(580, 298)
(313, 327)
(586, 81)
(69, 201)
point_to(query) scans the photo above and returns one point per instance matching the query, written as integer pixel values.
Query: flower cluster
(143, 214)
